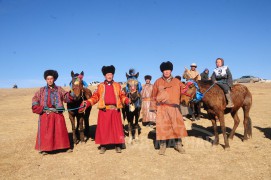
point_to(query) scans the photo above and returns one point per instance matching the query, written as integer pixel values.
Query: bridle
(76, 85)
(185, 89)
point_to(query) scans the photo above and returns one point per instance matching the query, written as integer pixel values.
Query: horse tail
(249, 104)
(249, 127)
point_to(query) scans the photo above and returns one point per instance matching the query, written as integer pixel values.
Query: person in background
(148, 117)
(48, 103)
(192, 73)
(205, 75)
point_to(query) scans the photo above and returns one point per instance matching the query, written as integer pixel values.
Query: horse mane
(206, 82)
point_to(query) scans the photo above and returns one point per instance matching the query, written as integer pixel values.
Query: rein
(198, 94)
(208, 89)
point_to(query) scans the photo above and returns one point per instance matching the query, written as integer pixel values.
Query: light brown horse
(215, 103)
(80, 94)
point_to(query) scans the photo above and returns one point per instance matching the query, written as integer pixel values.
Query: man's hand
(84, 105)
(127, 101)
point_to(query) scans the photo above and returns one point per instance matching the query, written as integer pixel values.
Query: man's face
(148, 81)
(50, 80)
(167, 73)
(109, 77)
(193, 68)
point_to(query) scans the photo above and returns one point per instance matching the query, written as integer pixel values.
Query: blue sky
(84, 35)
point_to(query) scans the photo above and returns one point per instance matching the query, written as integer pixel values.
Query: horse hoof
(245, 140)
(215, 143)
(227, 148)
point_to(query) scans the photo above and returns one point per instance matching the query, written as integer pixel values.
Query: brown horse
(80, 94)
(215, 103)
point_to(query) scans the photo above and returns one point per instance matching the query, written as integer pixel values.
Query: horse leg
(86, 122)
(247, 123)
(136, 126)
(81, 128)
(72, 119)
(198, 106)
(236, 123)
(216, 140)
(192, 106)
(130, 122)
(223, 128)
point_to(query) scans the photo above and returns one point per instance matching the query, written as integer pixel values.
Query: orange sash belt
(170, 105)
(111, 107)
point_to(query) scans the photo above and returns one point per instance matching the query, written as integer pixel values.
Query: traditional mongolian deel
(166, 99)
(52, 131)
(147, 115)
(110, 99)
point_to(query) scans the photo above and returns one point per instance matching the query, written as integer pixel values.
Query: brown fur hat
(108, 69)
(178, 77)
(166, 66)
(50, 73)
(147, 77)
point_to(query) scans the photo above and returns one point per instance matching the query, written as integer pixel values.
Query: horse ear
(127, 75)
(72, 74)
(137, 74)
(82, 73)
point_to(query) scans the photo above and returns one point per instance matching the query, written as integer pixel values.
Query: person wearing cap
(205, 75)
(110, 98)
(165, 100)
(48, 103)
(148, 117)
(223, 77)
(192, 73)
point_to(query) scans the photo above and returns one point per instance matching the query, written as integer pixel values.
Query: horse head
(76, 84)
(132, 88)
(188, 93)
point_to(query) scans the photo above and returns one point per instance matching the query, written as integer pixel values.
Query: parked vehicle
(247, 79)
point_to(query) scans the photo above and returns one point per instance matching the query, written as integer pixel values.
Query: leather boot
(163, 147)
(118, 149)
(179, 147)
(102, 150)
(230, 104)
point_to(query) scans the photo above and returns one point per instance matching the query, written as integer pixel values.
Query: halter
(198, 95)
(135, 102)
(185, 89)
